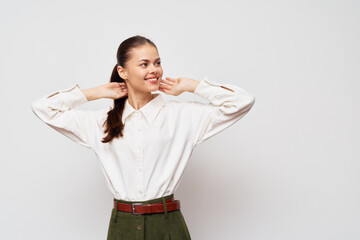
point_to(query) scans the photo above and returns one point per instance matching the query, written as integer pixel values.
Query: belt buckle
(133, 207)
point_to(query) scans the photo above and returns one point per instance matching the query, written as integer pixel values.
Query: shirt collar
(149, 110)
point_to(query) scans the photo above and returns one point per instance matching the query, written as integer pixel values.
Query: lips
(154, 77)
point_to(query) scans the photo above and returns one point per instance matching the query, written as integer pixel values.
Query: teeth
(151, 79)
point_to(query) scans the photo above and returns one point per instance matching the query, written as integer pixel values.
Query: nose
(152, 68)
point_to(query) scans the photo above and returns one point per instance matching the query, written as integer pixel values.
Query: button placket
(139, 155)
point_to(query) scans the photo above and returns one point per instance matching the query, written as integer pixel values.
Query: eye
(158, 63)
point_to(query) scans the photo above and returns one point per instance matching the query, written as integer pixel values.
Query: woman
(142, 142)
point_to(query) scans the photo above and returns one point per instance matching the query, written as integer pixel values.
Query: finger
(167, 81)
(121, 84)
(161, 89)
(117, 85)
(165, 86)
(171, 79)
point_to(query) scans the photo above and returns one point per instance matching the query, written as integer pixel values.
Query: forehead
(144, 52)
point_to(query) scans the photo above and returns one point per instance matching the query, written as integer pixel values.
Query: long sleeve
(228, 104)
(57, 111)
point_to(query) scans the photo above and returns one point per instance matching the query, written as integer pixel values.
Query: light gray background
(288, 170)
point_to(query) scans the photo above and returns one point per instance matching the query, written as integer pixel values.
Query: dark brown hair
(113, 125)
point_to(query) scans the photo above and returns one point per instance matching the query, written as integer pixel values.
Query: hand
(176, 86)
(114, 90)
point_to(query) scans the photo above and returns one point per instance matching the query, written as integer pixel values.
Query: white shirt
(149, 160)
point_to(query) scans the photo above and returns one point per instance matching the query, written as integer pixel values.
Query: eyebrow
(146, 60)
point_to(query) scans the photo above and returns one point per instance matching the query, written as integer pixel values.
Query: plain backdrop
(288, 170)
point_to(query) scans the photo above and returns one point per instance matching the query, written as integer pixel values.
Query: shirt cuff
(68, 98)
(210, 89)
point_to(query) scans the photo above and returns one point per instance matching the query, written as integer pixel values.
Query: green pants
(154, 226)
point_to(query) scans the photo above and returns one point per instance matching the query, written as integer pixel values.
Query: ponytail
(114, 127)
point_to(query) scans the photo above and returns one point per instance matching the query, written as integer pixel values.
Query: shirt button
(140, 170)
(139, 129)
(140, 192)
(139, 227)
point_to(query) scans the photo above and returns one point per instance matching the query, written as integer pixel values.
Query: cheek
(140, 74)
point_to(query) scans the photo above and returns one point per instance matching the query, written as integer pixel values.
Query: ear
(122, 72)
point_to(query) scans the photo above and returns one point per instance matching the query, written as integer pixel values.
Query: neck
(137, 101)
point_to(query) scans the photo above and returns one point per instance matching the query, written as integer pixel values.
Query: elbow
(39, 110)
(251, 100)
(246, 104)
(240, 105)
(34, 107)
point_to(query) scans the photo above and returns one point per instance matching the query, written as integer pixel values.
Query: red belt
(141, 208)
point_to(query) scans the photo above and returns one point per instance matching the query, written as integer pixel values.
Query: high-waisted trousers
(155, 226)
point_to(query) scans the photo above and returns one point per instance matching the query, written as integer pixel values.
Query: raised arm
(58, 110)
(228, 104)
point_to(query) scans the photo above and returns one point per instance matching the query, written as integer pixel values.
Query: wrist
(92, 93)
(191, 84)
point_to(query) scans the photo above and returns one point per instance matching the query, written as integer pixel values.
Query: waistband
(155, 200)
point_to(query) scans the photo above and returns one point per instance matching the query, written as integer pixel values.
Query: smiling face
(143, 66)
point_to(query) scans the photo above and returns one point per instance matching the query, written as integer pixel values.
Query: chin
(154, 89)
